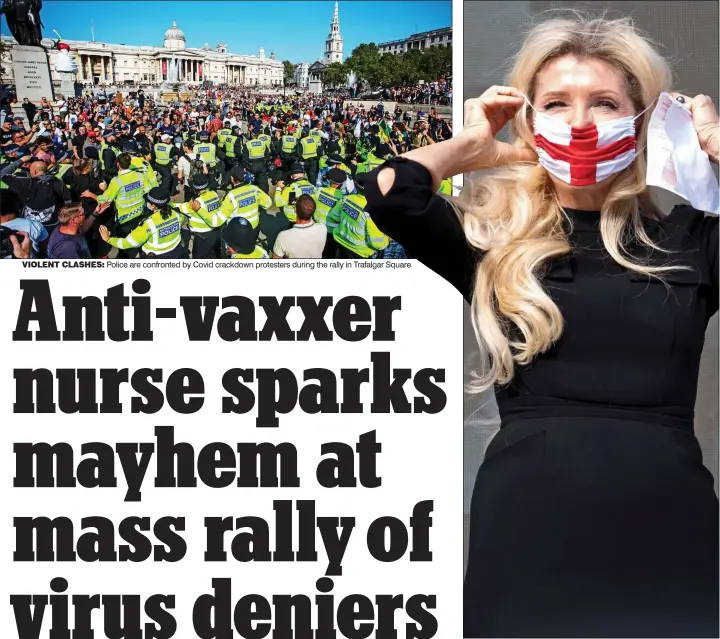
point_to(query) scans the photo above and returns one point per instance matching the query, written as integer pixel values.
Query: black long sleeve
(424, 223)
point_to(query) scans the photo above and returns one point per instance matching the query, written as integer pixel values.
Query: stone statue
(23, 18)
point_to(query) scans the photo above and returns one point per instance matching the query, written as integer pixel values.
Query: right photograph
(585, 242)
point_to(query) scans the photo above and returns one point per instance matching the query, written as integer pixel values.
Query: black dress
(592, 514)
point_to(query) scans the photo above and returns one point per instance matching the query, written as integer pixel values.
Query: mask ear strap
(647, 108)
(527, 100)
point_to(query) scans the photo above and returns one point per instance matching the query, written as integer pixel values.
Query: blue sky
(294, 30)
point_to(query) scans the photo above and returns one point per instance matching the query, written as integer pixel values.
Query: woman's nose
(581, 116)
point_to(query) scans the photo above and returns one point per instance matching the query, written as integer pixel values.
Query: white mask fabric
(675, 161)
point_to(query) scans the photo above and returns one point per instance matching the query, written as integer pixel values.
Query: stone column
(103, 76)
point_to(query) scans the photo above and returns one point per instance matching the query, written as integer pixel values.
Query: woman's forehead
(569, 73)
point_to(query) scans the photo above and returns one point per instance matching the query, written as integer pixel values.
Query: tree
(335, 75)
(365, 63)
(436, 62)
(288, 71)
(405, 69)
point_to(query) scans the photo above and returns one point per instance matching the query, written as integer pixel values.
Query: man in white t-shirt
(306, 239)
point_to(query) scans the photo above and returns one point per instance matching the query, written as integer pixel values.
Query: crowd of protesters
(436, 93)
(229, 173)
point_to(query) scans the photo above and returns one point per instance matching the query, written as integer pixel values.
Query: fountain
(169, 88)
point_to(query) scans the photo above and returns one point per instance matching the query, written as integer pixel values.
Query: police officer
(127, 191)
(244, 199)
(356, 234)
(208, 153)
(158, 235)
(307, 152)
(334, 161)
(337, 138)
(140, 164)
(240, 239)
(376, 158)
(233, 148)
(264, 137)
(163, 159)
(288, 147)
(317, 132)
(285, 196)
(222, 134)
(328, 198)
(61, 170)
(255, 159)
(205, 220)
(108, 155)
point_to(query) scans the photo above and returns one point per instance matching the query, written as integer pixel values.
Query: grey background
(688, 33)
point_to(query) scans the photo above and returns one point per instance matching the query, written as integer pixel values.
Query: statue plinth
(31, 67)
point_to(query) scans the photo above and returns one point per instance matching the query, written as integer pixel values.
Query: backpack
(196, 166)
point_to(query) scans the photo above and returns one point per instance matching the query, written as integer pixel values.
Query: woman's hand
(475, 147)
(485, 117)
(707, 125)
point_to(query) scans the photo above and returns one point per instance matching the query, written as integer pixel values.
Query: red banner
(200, 73)
(164, 67)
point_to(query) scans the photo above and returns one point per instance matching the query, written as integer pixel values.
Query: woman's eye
(607, 104)
(553, 105)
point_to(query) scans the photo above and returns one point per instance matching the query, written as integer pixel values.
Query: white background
(421, 457)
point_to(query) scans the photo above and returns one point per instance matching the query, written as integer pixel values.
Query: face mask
(582, 156)
(676, 162)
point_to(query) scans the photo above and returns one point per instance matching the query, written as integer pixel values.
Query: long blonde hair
(512, 213)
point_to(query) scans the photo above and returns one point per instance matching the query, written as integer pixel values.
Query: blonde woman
(592, 514)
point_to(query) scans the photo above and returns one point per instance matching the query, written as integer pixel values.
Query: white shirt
(302, 241)
(184, 166)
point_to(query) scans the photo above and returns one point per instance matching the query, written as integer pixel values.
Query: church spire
(334, 42)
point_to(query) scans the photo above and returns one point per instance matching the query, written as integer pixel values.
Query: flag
(585, 155)
(385, 130)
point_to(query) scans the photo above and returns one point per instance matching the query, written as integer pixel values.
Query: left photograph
(159, 130)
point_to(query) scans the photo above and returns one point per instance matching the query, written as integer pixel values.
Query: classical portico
(120, 64)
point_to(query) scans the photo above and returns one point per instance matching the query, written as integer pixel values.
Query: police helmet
(239, 235)
(200, 181)
(338, 176)
(158, 196)
(237, 173)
